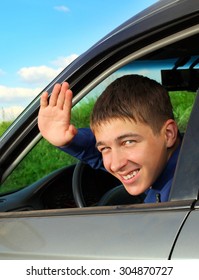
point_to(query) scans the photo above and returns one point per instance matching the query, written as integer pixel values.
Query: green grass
(182, 105)
(3, 126)
(45, 158)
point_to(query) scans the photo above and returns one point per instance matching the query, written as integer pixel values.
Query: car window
(44, 158)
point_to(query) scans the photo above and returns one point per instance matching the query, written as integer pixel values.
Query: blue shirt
(83, 148)
(160, 190)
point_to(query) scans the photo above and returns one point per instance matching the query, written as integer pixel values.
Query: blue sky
(40, 37)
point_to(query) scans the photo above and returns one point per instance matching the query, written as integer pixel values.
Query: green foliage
(182, 105)
(44, 158)
(3, 126)
(81, 113)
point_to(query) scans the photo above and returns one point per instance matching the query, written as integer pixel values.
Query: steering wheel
(115, 196)
(77, 184)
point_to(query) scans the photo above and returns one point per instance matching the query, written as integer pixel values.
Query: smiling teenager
(133, 134)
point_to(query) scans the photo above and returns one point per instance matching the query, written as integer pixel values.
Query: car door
(135, 231)
(131, 232)
(187, 243)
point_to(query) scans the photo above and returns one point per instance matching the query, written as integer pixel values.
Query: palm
(54, 118)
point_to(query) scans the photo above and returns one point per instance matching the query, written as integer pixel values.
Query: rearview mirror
(184, 79)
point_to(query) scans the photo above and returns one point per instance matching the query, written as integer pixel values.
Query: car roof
(165, 10)
(151, 19)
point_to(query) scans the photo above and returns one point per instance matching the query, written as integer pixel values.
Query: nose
(118, 161)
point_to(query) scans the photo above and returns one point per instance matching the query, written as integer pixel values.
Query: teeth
(131, 175)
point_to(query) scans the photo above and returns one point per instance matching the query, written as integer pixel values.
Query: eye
(103, 149)
(128, 142)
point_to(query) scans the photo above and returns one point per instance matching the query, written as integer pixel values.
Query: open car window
(174, 65)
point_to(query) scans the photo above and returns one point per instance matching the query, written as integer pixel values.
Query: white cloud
(8, 94)
(62, 9)
(10, 113)
(42, 75)
(14, 99)
(62, 62)
(37, 74)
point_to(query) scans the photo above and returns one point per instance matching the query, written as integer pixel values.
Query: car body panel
(187, 244)
(92, 233)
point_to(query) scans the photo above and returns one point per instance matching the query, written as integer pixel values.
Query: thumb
(72, 131)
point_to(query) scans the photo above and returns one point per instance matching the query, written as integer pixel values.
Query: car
(76, 212)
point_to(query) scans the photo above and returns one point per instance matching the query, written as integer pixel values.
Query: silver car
(66, 212)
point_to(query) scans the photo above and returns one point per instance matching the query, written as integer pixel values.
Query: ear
(171, 132)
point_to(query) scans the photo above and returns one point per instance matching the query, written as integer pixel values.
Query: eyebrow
(123, 136)
(119, 138)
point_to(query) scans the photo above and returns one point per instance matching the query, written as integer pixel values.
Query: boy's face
(132, 152)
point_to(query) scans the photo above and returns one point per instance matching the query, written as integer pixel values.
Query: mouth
(131, 175)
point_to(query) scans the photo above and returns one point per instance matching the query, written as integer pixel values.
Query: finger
(68, 103)
(44, 100)
(54, 95)
(61, 96)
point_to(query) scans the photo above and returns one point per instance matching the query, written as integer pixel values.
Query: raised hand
(54, 116)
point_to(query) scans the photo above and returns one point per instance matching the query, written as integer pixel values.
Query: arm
(83, 148)
(54, 125)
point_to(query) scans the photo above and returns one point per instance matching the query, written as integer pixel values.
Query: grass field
(45, 158)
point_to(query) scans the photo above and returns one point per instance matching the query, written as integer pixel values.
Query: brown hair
(136, 98)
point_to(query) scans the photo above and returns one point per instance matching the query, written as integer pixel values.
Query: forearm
(83, 148)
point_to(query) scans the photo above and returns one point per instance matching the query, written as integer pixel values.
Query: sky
(38, 38)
